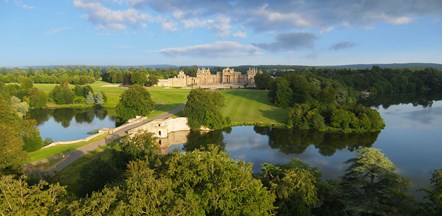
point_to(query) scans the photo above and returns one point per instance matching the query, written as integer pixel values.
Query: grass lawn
(167, 99)
(58, 149)
(252, 106)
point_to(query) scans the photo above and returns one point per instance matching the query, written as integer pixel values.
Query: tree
(62, 94)
(134, 101)
(263, 80)
(432, 204)
(90, 98)
(99, 99)
(82, 90)
(20, 108)
(195, 183)
(280, 93)
(371, 185)
(293, 184)
(139, 146)
(12, 156)
(151, 80)
(19, 198)
(138, 78)
(37, 98)
(31, 136)
(203, 109)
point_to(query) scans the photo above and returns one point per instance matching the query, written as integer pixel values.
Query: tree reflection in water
(291, 141)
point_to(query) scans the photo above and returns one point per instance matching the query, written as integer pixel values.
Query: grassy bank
(59, 149)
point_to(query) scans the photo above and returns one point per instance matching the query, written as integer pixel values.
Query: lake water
(412, 140)
(71, 124)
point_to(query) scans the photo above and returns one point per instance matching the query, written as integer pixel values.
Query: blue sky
(215, 32)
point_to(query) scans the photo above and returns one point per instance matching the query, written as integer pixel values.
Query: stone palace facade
(205, 77)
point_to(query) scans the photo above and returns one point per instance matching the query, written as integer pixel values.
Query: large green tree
(203, 108)
(62, 94)
(432, 204)
(134, 101)
(195, 183)
(280, 93)
(372, 187)
(263, 80)
(37, 98)
(294, 184)
(12, 156)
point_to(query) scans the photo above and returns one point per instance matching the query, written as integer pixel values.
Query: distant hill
(280, 67)
(394, 65)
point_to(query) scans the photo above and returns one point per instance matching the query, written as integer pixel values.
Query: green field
(250, 106)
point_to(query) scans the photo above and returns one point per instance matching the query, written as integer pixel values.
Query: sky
(217, 32)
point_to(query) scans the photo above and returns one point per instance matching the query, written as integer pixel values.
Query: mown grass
(167, 99)
(59, 149)
(250, 106)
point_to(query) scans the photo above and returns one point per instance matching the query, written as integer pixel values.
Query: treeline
(84, 75)
(137, 76)
(135, 179)
(73, 75)
(325, 99)
(381, 81)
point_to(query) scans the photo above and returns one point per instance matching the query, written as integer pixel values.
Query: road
(70, 157)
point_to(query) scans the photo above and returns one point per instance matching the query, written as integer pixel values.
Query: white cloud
(220, 49)
(107, 18)
(220, 24)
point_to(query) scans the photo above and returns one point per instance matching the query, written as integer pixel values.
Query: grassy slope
(167, 99)
(252, 106)
(55, 150)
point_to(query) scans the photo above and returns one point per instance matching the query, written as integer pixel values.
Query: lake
(71, 124)
(411, 140)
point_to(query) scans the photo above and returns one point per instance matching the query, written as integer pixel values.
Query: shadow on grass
(167, 107)
(251, 94)
(278, 115)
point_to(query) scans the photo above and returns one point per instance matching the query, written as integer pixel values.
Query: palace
(204, 77)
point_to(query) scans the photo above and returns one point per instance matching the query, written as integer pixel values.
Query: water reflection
(260, 145)
(296, 141)
(69, 123)
(389, 100)
(64, 116)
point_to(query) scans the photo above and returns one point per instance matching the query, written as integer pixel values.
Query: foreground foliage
(371, 185)
(17, 197)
